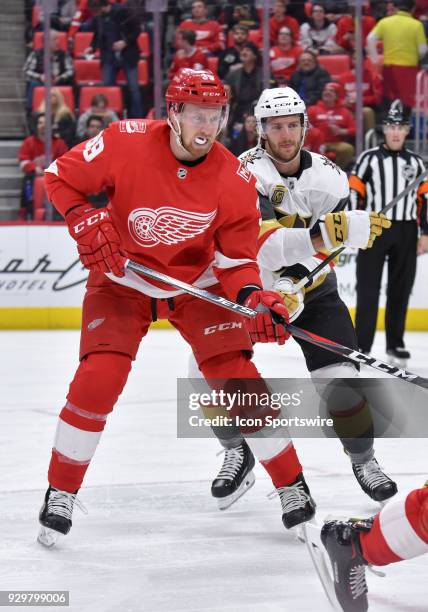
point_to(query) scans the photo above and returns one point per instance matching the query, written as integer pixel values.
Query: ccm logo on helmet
(90, 221)
(222, 327)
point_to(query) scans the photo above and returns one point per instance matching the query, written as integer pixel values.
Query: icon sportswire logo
(166, 225)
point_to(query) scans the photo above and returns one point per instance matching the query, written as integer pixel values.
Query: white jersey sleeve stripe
(398, 532)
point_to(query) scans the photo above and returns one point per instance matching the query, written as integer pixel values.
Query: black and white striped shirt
(380, 174)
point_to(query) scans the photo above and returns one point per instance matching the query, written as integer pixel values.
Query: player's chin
(287, 154)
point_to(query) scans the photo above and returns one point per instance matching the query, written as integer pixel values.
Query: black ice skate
(398, 356)
(235, 476)
(55, 515)
(341, 540)
(297, 503)
(373, 481)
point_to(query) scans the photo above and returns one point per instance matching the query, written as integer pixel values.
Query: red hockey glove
(98, 242)
(268, 324)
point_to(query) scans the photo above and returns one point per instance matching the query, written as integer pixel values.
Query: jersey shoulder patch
(133, 126)
(328, 177)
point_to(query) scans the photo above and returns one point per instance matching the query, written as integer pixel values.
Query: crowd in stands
(101, 65)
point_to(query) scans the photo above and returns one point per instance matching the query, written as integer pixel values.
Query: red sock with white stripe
(400, 530)
(284, 468)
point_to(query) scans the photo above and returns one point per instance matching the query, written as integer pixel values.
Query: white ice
(153, 539)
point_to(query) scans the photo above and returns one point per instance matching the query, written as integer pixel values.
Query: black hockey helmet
(396, 114)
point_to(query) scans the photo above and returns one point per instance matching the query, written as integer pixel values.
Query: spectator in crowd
(231, 56)
(82, 20)
(372, 91)
(404, 45)
(295, 8)
(240, 14)
(209, 36)
(61, 64)
(63, 122)
(247, 137)
(245, 85)
(188, 55)
(309, 79)
(284, 57)
(345, 37)
(94, 125)
(31, 158)
(60, 18)
(334, 9)
(116, 31)
(280, 19)
(314, 140)
(99, 108)
(336, 122)
(318, 34)
(183, 8)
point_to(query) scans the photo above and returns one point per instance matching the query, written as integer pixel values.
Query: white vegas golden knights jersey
(292, 205)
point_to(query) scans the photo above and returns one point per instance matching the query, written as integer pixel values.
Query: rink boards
(42, 281)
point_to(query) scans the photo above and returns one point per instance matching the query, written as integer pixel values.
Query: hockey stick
(302, 283)
(297, 332)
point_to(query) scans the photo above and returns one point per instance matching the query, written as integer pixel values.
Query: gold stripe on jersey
(269, 225)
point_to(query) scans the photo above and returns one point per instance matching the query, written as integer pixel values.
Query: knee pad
(236, 364)
(99, 381)
(343, 399)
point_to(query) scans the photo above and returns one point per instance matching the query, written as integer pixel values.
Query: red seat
(39, 195)
(87, 72)
(144, 44)
(35, 16)
(113, 95)
(308, 9)
(143, 74)
(212, 64)
(82, 40)
(39, 95)
(336, 65)
(38, 40)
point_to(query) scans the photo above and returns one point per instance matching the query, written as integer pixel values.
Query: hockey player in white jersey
(303, 197)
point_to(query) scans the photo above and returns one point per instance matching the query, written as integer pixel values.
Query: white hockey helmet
(279, 101)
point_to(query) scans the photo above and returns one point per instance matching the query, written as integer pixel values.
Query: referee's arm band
(357, 185)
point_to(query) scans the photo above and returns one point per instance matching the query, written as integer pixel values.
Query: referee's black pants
(398, 244)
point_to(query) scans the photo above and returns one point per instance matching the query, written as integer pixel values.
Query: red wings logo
(132, 126)
(166, 225)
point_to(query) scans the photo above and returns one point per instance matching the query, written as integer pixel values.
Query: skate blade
(48, 537)
(298, 533)
(246, 484)
(318, 554)
(398, 363)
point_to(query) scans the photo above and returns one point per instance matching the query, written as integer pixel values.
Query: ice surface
(153, 539)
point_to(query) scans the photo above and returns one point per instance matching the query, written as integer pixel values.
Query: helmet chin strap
(177, 132)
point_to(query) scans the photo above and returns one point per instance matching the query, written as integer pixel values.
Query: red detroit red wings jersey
(197, 223)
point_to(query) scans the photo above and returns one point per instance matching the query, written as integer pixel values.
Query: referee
(378, 176)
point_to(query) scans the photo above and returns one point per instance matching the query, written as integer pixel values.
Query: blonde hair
(62, 109)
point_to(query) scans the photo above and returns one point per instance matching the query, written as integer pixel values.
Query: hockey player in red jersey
(398, 532)
(183, 205)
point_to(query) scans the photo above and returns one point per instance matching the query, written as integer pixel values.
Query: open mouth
(199, 140)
